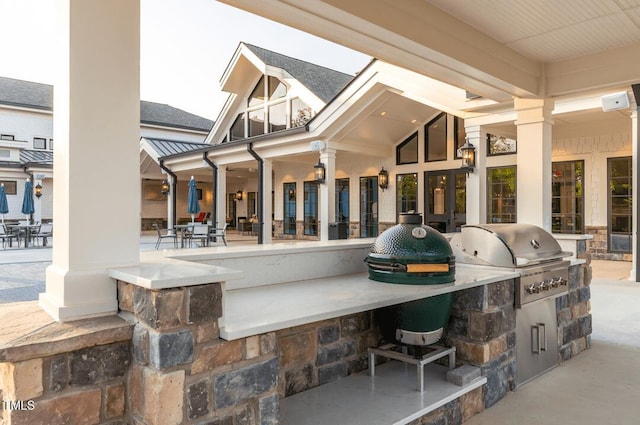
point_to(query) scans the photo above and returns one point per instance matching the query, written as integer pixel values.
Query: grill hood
(505, 245)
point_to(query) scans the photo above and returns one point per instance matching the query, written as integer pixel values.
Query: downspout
(214, 191)
(174, 186)
(260, 191)
(30, 174)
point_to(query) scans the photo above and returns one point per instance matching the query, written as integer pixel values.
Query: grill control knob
(532, 288)
(562, 281)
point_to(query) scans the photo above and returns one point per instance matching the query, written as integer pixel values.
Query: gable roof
(166, 115)
(324, 82)
(28, 94)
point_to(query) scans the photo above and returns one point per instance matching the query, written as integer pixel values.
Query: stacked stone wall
(71, 385)
(322, 352)
(183, 373)
(482, 328)
(574, 314)
(598, 247)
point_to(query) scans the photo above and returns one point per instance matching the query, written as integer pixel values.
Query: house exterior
(27, 144)
(394, 124)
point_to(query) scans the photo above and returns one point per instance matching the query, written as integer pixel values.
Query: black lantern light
(239, 195)
(164, 187)
(319, 172)
(468, 152)
(38, 190)
(383, 179)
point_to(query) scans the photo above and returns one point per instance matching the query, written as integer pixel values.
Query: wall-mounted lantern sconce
(239, 195)
(319, 172)
(383, 179)
(38, 190)
(164, 187)
(468, 152)
(292, 195)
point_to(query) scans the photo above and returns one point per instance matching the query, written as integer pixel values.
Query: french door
(445, 199)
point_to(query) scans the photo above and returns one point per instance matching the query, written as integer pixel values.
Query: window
(10, 186)
(501, 193)
(368, 207)
(301, 113)
(237, 128)
(9, 137)
(435, 138)
(499, 145)
(310, 208)
(251, 203)
(50, 144)
(342, 200)
(567, 205)
(620, 202)
(289, 219)
(406, 193)
(407, 151)
(277, 117)
(231, 208)
(461, 136)
(257, 95)
(5, 153)
(39, 143)
(256, 122)
(277, 89)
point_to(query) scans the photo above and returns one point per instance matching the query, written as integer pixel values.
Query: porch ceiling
(387, 123)
(493, 48)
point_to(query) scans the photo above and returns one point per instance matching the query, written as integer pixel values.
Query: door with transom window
(445, 199)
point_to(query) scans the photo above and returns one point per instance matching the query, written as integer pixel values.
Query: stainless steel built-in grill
(543, 277)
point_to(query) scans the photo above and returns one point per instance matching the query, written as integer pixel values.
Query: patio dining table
(20, 229)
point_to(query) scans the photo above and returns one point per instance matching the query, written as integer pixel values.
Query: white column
(267, 204)
(533, 185)
(96, 170)
(327, 201)
(477, 181)
(221, 195)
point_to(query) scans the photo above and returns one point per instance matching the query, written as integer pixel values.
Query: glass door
(445, 199)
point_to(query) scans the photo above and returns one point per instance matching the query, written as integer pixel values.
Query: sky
(185, 46)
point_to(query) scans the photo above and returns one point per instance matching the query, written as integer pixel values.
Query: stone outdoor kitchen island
(198, 343)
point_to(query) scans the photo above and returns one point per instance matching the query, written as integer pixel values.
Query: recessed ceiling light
(383, 113)
(414, 121)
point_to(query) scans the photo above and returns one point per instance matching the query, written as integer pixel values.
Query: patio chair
(44, 232)
(6, 236)
(162, 236)
(218, 232)
(200, 232)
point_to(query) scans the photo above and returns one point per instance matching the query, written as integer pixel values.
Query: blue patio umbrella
(4, 205)
(193, 207)
(27, 201)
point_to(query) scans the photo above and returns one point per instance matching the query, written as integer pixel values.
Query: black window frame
(457, 142)
(43, 140)
(426, 137)
(399, 192)
(490, 198)
(559, 218)
(610, 215)
(403, 144)
(289, 200)
(310, 221)
(8, 184)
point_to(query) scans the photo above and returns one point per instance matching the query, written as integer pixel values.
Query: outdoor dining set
(186, 234)
(25, 234)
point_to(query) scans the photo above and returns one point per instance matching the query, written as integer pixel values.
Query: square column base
(74, 295)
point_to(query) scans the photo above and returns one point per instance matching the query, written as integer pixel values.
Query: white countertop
(165, 273)
(253, 311)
